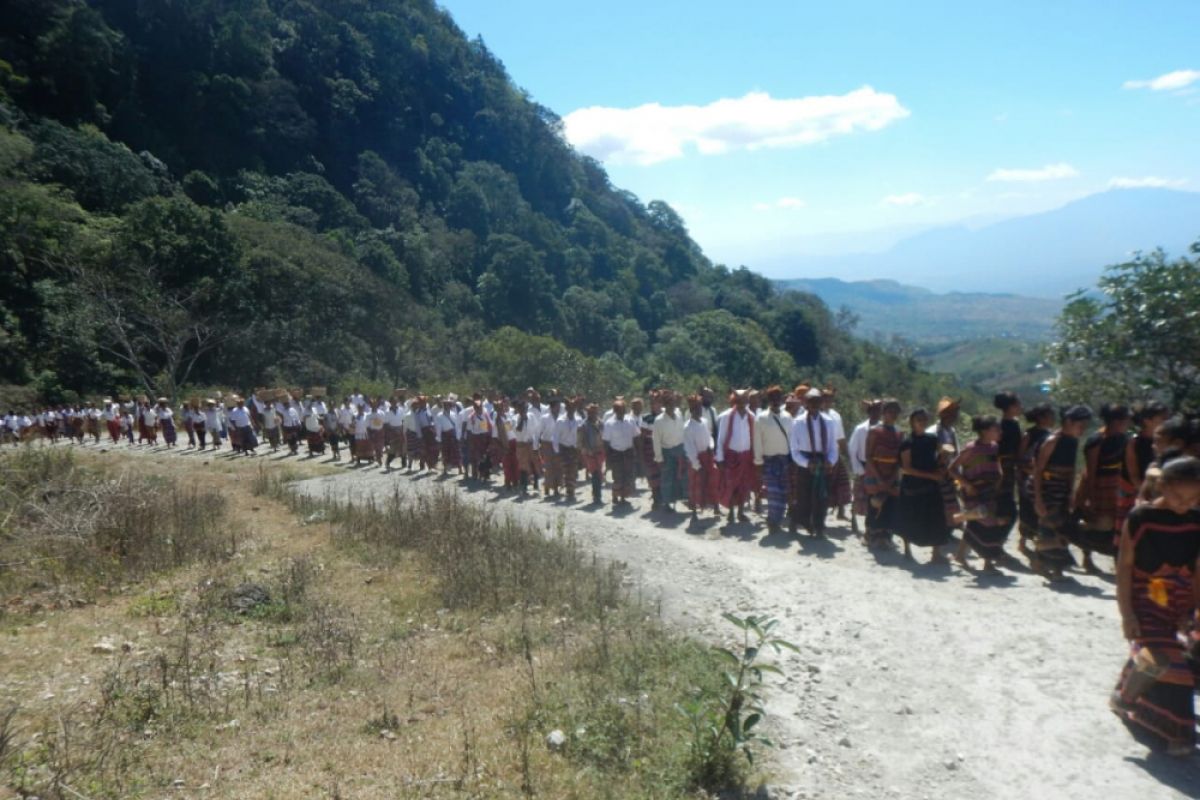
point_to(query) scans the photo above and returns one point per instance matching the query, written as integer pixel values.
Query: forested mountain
(264, 191)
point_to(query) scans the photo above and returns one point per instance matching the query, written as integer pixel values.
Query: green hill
(252, 192)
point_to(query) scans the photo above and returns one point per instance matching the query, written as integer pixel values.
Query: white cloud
(1151, 181)
(1050, 172)
(652, 133)
(783, 202)
(906, 199)
(1179, 79)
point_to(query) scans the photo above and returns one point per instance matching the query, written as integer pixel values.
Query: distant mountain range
(886, 307)
(1042, 255)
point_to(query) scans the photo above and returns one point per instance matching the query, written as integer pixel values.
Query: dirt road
(913, 681)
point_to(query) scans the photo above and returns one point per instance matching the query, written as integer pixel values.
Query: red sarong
(703, 483)
(739, 478)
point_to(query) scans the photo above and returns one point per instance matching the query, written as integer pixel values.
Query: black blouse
(1163, 538)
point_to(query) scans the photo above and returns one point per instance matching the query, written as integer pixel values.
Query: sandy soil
(913, 681)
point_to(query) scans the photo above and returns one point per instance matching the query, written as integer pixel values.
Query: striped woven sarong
(776, 476)
(673, 474)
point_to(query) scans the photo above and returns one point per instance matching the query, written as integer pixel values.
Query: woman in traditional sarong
(881, 478)
(376, 435)
(314, 432)
(333, 432)
(150, 424)
(980, 476)
(189, 426)
(1041, 418)
(948, 412)
(1156, 593)
(360, 451)
(1171, 441)
(1139, 455)
(289, 420)
(166, 421)
(429, 444)
(1054, 494)
(920, 519)
(1009, 406)
(1104, 455)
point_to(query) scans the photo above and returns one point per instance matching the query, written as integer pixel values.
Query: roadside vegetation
(339, 647)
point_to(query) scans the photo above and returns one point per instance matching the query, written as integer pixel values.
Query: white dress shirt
(839, 427)
(697, 439)
(546, 425)
(858, 448)
(526, 431)
(620, 433)
(823, 438)
(446, 422)
(668, 433)
(566, 432)
(737, 433)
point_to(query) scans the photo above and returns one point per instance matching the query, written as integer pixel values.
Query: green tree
(1140, 336)
(168, 294)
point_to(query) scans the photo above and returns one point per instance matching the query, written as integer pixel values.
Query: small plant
(724, 720)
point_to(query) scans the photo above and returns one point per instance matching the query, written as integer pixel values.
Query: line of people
(1129, 490)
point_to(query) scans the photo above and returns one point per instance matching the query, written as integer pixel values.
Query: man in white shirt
(566, 447)
(150, 424)
(314, 429)
(242, 425)
(289, 421)
(166, 421)
(620, 436)
(773, 455)
(857, 450)
(477, 426)
(446, 428)
(269, 418)
(735, 455)
(394, 435)
(361, 449)
(549, 458)
(525, 434)
(377, 412)
(708, 411)
(698, 448)
(667, 440)
(815, 452)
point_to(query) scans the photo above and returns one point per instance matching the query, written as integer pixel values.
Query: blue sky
(807, 127)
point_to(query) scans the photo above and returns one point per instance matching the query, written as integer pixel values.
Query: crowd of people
(1129, 490)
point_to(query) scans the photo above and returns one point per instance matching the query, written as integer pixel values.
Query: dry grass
(420, 651)
(66, 530)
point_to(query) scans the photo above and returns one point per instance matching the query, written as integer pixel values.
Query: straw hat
(947, 404)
